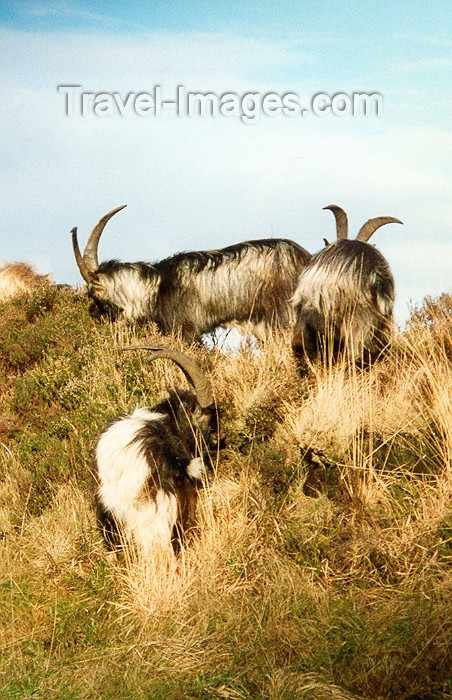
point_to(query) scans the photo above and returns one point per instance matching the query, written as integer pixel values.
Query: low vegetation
(321, 565)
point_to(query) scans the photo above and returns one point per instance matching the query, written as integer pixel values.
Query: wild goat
(196, 292)
(148, 465)
(345, 297)
(20, 278)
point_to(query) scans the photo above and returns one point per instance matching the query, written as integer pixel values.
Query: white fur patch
(122, 468)
(334, 286)
(196, 468)
(152, 522)
(123, 472)
(129, 291)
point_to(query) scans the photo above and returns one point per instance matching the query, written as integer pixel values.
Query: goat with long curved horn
(149, 464)
(345, 297)
(248, 284)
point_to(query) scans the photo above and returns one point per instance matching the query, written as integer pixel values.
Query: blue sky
(199, 182)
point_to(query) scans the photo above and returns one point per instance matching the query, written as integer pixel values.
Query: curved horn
(371, 226)
(84, 271)
(193, 373)
(341, 221)
(90, 254)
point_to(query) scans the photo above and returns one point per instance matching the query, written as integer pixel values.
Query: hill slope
(321, 565)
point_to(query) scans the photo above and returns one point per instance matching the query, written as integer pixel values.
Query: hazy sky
(197, 182)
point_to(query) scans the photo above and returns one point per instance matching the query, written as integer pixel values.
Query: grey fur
(345, 297)
(196, 292)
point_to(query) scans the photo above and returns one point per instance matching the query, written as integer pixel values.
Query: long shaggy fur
(148, 466)
(344, 302)
(20, 278)
(198, 292)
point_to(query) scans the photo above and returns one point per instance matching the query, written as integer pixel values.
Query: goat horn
(90, 254)
(371, 226)
(84, 271)
(341, 221)
(193, 373)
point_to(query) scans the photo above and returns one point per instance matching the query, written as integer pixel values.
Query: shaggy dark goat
(148, 465)
(345, 297)
(247, 283)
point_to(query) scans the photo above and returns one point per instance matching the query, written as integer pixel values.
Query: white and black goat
(345, 297)
(149, 464)
(248, 283)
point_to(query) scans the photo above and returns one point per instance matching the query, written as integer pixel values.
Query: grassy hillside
(321, 567)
